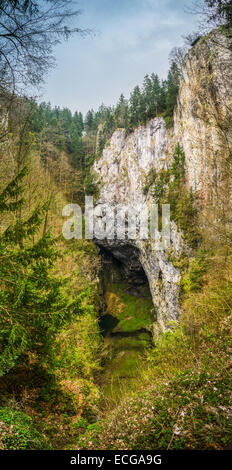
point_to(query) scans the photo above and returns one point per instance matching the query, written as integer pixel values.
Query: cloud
(136, 38)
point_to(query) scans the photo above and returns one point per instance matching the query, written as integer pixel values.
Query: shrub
(193, 280)
(90, 185)
(160, 187)
(178, 164)
(18, 432)
(168, 121)
(174, 192)
(149, 181)
(183, 400)
(184, 213)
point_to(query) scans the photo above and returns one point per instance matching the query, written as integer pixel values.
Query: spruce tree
(33, 305)
(121, 112)
(135, 107)
(172, 88)
(148, 97)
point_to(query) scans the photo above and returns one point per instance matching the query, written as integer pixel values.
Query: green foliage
(147, 102)
(149, 181)
(193, 280)
(178, 165)
(161, 185)
(170, 416)
(9, 198)
(33, 303)
(49, 335)
(133, 312)
(76, 347)
(182, 201)
(168, 121)
(61, 128)
(137, 112)
(172, 89)
(18, 432)
(66, 131)
(184, 213)
(90, 185)
(158, 182)
(75, 359)
(101, 142)
(121, 112)
(81, 137)
(129, 315)
(182, 400)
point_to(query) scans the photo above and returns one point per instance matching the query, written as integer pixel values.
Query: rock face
(201, 127)
(203, 116)
(122, 170)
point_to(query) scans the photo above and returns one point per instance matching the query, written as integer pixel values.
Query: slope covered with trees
(51, 349)
(49, 292)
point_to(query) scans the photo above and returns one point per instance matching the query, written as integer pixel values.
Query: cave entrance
(124, 265)
(126, 322)
(127, 296)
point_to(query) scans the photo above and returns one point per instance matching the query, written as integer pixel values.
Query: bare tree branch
(29, 29)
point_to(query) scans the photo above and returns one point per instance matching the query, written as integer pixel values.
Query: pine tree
(89, 122)
(32, 304)
(76, 148)
(163, 93)
(172, 88)
(109, 125)
(178, 165)
(156, 94)
(135, 107)
(121, 112)
(148, 96)
(77, 123)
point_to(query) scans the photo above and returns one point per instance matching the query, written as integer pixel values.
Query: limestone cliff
(202, 125)
(203, 116)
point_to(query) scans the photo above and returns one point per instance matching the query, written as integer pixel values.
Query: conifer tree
(156, 95)
(121, 112)
(172, 88)
(32, 303)
(148, 96)
(89, 122)
(135, 107)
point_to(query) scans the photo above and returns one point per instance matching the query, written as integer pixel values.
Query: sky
(131, 38)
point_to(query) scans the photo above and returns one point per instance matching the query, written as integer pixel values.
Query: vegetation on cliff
(55, 364)
(183, 397)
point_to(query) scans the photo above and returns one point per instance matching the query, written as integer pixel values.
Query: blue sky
(133, 37)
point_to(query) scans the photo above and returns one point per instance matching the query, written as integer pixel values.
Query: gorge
(113, 344)
(202, 127)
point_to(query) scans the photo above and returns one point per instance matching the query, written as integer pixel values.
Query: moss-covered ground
(129, 316)
(132, 307)
(181, 398)
(125, 355)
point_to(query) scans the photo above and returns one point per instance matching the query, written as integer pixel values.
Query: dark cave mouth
(125, 260)
(132, 287)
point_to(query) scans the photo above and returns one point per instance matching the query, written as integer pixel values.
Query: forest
(84, 137)
(58, 387)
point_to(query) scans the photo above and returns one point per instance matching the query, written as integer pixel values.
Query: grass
(182, 396)
(17, 431)
(56, 393)
(121, 369)
(176, 395)
(184, 409)
(125, 347)
(133, 313)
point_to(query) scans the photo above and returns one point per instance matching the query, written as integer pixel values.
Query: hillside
(181, 398)
(114, 344)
